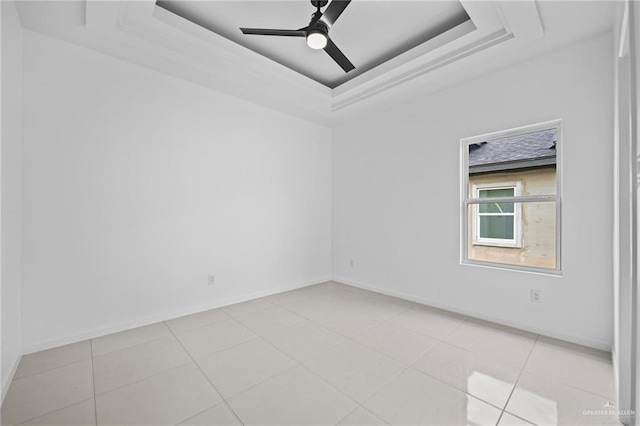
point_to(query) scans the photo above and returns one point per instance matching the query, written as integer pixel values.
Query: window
(497, 224)
(511, 198)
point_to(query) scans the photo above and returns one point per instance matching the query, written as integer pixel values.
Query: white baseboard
(6, 381)
(584, 341)
(79, 337)
(621, 405)
(616, 377)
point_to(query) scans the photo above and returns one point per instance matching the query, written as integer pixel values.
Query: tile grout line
(262, 381)
(407, 367)
(173, 333)
(385, 385)
(350, 338)
(182, 365)
(92, 356)
(471, 352)
(438, 341)
(228, 317)
(572, 386)
(144, 378)
(359, 406)
(305, 317)
(130, 347)
(49, 370)
(463, 322)
(296, 364)
(52, 412)
(410, 365)
(388, 320)
(300, 364)
(60, 408)
(322, 379)
(255, 336)
(348, 414)
(515, 384)
(154, 374)
(518, 417)
(224, 400)
(173, 336)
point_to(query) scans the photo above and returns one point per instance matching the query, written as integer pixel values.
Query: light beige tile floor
(322, 355)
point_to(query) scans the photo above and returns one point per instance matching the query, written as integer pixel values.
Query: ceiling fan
(317, 32)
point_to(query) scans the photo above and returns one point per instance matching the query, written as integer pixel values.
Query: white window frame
(516, 242)
(467, 202)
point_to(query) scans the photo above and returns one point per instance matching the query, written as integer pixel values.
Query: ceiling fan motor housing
(319, 3)
(319, 27)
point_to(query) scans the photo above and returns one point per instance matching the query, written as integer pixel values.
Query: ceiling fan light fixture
(317, 32)
(316, 39)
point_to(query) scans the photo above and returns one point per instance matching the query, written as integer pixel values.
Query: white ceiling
(498, 33)
(368, 32)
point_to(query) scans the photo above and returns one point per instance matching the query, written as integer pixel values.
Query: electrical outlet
(212, 279)
(353, 263)
(536, 296)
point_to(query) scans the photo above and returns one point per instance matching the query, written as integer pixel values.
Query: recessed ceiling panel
(368, 32)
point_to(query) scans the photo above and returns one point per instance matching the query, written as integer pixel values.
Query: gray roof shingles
(530, 146)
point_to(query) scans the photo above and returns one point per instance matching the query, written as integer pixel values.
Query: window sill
(511, 267)
(497, 244)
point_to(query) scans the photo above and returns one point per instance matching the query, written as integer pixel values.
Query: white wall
(396, 195)
(11, 191)
(138, 185)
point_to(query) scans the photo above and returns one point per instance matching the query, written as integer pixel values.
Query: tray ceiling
(369, 33)
(498, 33)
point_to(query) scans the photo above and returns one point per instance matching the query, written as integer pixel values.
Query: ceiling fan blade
(338, 56)
(334, 10)
(270, 32)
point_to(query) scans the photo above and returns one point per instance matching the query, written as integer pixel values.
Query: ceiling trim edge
(192, 50)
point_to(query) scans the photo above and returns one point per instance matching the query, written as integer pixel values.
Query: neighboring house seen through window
(511, 198)
(497, 224)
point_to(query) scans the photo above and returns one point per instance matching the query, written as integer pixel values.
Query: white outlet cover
(536, 296)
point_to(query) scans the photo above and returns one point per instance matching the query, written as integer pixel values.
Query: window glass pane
(496, 227)
(492, 193)
(537, 237)
(528, 157)
(496, 208)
